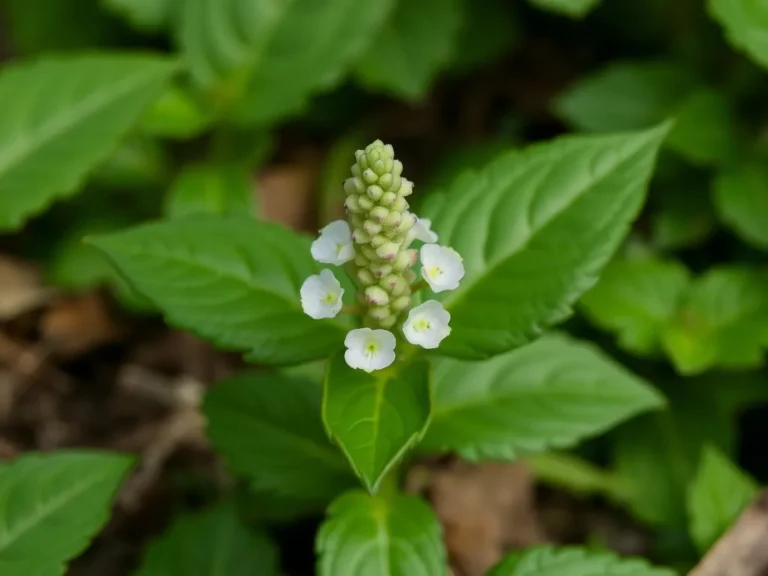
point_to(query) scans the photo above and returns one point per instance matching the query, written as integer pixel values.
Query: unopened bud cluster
(381, 224)
(375, 244)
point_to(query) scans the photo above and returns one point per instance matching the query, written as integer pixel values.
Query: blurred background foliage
(271, 98)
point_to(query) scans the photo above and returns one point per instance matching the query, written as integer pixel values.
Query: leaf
(52, 505)
(375, 418)
(261, 60)
(717, 496)
(411, 49)
(378, 536)
(656, 455)
(535, 228)
(551, 393)
(144, 15)
(490, 30)
(551, 561)
(214, 542)
(625, 96)
(212, 189)
(723, 321)
(746, 25)
(176, 114)
(268, 428)
(635, 299)
(62, 117)
(741, 200)
(232, 280)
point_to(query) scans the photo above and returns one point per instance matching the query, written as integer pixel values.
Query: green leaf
(268, 428)
(551, 561)
(212, 189)
(741, 200)
(176, 114)
(62, 117)
(636, 299)
(138, 163)
(656, 455)
(378, 536)
(746, 25)
(144, 15)
(375, 418)
(260, 61)
(552, 214)
(52, 505)
(490, 30)
(717, 496)
(232, 280)
(412, 47)
(551, 393)
(723, 321)
(625, 96)
(214, 542)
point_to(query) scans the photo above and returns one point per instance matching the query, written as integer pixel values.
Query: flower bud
(401, 303)
(379, 312)
(394, 284)
(361, 261)
(360, 237)
(361, 159)
(365, 202)
(410, 276)
(388, 250)
(397, 168)
(408, 222)
(389, 151)
(371, 227)
(379, 167)
(406, 187)
(349, 187)
(356, 221)
(357, 172)
(388, 199)
(376, 295)
(378, 240)
(388, 322)
(365, 277)
(374, 192)
(393, 219)
(369, 253)
(380, 269)
(401, 204)
(385, 181)
(352, 205)
(379, 214)
(404, 260)
(369, 176)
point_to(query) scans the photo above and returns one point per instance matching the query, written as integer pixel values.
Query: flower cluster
(375, 245)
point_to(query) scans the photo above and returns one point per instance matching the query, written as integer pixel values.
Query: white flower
(422, 230)
(334, 245)
(427, 324)
(321, 295)
(369, 350)
(442, 267)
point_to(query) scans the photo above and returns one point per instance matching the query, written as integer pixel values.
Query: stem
(419, 285)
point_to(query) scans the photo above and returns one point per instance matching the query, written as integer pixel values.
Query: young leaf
(379, 536)
(212, 189)
(635, 299)
(723, 321)
(52, 505)
(144, 15)
(741, 200)
(268, 428)
(375, 418)
(230, 279)
(62, 116)
(551, 393)
(427, 32)
(261, 60)
(553, 215)
(176, 114)
(716, 497)
(552, 561)
(625, 96)
(210, 543)
(746, 26)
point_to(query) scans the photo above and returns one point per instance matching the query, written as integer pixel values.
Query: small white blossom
(422, 230)
(427, 324)
(334, 246)
(442, 267)
(321, 295)
(369, 349)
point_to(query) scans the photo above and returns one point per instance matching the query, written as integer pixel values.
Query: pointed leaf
(746, 25)
(210, 543)
(144, 15)
(573, 562)
(552, 215)
(378, 536)
(268, 427)
(62, 116)
(551, 393)
(375, 418)
(741, 199)
(571, 8)
(52, 505)
(717, 496)
(635, 299)
(427, 31)
(230, 279)
(211, 189)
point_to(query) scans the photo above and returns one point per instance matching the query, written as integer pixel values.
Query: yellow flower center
(422, 324)
(434, 271)
(330, 297)
(371, 348)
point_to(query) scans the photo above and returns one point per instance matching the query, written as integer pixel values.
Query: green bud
(393, 219)
(360, 236)
(361, 159)
(401, 303)
(388, 199)
(379, 312)
(379, 213)
(387, 251)
(390, 282)
(356, 221)
(375, 193)
(353, 206)
(388, 322)
(376, 295)
(379, 167)
(385, 181)
(369, 176)
(380, 269)
(361, 261)
(349, 186)
(400, 205)
(397, 168)
(406, 187)
(378, 241)
(371, 227)
(357, 172)
(365, 277)
(404, 260)
(369, 253)
(365, 202)
(408, 222)
(410, 276)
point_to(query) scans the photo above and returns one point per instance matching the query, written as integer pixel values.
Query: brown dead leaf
(21, 288)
